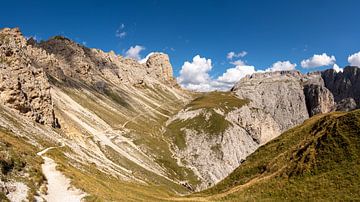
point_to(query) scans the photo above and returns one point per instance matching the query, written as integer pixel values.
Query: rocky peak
(344, 84)
(324, 91)
(23, 86)
(158, 65)
(87, 64)
(279, 94)
(318, 98)
(277, 74)
(27, 64)
(12, 37)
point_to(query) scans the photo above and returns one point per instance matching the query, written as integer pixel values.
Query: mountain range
(79, 123)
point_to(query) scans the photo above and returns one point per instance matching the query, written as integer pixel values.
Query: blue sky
(269, 31)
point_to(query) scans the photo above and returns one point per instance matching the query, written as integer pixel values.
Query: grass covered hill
(318, 160)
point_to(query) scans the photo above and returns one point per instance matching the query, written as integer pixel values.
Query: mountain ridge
(122, 120)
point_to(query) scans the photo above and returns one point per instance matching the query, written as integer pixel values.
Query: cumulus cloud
(233, 75)
(318, 61)
(354, 59)
(232, 55)
(195, 72)
(281, 66)
(195, 75)
(134, 52)
(337, 68)
(120, 31)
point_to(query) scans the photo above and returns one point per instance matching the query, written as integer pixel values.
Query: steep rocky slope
(23, 85)
(266, 104)
(318, 160)
(106, 110)
(262, 107)
(344, 86)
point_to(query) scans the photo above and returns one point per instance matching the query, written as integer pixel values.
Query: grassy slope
(145, 130)
(216, 123)
(317, 160)
(105, 187)
(226, 101)
(17, 160)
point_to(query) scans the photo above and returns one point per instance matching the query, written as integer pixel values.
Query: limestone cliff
(111, 109)
(159, 66)
(343, 85)
(263, 106)
(276, 102)
(319, 99)
(23, 85)
(94, 65)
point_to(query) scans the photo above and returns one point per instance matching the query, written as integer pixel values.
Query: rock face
(92, 65)
(346, 104)
(27, 64)
(344, 84)
(111, 109)
(278, 101)
(23, 86)
(159, 65)
(279, 94)
(275, 103)
(319, 99)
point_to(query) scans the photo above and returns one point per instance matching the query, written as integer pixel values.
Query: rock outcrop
(346, 104)
(278, 94)
(275, 102)
(93, 65)
(278, 101)
(23, 85)
(111, 109)
(343, 85)
(159, 66)
(319, 99)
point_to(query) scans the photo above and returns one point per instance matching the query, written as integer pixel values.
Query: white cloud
(354, 59)
(120, 31)
(195, 75)
(281, 66)
(233, 75)
(134, 52)
(195, 72)
(120, 34)
(232, 55)
(142, 61)
(318, 61)
(337, 68)
(238, 63)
